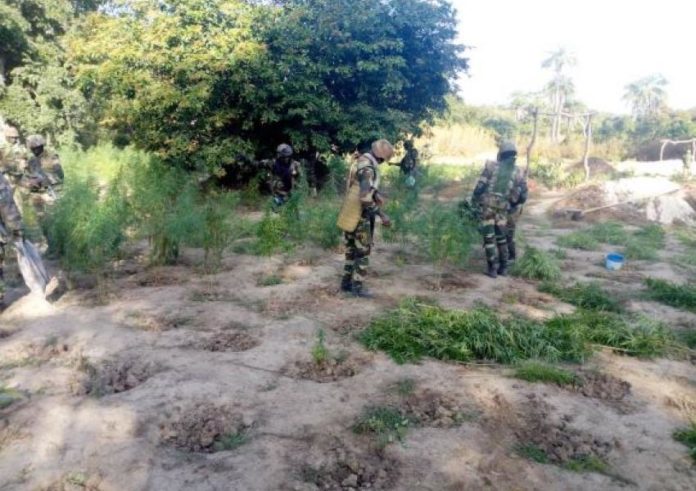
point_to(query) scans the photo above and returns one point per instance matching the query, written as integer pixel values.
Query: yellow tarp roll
(351, 210)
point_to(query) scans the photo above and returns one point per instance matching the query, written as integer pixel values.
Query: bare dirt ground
(190, 382)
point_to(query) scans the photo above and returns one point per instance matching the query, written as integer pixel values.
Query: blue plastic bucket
(614, 261)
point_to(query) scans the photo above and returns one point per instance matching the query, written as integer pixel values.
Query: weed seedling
(532, 452)
(590, 463)
(230, 441)
(387, 424)
(672, 294)
(320, 353)
(270, 280)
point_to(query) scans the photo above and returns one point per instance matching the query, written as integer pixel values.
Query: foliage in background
(200, 82)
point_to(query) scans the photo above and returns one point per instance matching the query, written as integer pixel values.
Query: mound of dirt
(113, 376)
(433, 409)
(331, 370)
(229, 341)
(343, 469)
(654, 199)
(559, 442)
(202, 428)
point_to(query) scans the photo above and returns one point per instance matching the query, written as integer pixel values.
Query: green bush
(537, 265)
(87, 226)
(679, 296)
(578, 240)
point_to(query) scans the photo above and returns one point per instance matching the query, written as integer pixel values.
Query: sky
(615, 41)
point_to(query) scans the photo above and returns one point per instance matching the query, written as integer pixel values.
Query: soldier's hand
(386, 221)
(379, 199)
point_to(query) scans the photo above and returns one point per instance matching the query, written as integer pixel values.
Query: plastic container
(614, 261)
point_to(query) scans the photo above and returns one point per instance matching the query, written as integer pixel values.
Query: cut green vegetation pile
(537, 265)
(642, 244)
(416, 330)
(672, 294)
(588, 296)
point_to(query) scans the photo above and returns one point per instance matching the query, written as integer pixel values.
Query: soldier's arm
(366, 179)
(481, 184)
(9, 213)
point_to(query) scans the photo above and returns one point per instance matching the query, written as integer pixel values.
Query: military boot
(502, 260)
(347, 284)
(491, 271)
(360, 291)
(512, 251)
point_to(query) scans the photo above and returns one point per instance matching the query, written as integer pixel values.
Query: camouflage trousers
(34, 207)
(494, 228)
(358, 247)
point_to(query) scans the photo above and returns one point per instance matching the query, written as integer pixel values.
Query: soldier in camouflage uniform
(10, 227)
(284, 174)
(500, 193)
(13, 156)
(42, 175)
(409, 161)
(365, 174)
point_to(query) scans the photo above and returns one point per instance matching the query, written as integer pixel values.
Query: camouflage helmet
(11, 132)
(34, 141)
(507, 147)
(382, 149)
(284, 150)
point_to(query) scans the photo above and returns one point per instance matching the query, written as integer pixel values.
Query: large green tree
(647, 96)
(199, 82)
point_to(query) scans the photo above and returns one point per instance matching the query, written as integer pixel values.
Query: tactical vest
(499, 194)
(351, 210)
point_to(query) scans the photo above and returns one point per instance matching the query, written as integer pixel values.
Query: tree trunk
(588, 143)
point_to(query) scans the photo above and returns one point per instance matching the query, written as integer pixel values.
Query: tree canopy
(200, 82)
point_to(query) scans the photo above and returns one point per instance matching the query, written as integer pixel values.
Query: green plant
(586, 295)
(320, 353)
(537, 265)
(609, 233)
(271, 235)
(532, 452)
(680, 296)
(687, 436)
(230, 441)
(387, 424)
(534, 371)
(405, 387)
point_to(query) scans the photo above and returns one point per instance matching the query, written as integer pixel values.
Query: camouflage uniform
(13, 156)
(11, 222)
(284, 174)
(500, 192)
(410, 161)
(358, 243)
(42, 176)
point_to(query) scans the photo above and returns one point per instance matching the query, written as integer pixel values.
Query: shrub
(687, 436)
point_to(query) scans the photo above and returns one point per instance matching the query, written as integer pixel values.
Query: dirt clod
(229, 341)
(203, 428)
(114, 376)
(603, 386)
(331, 370)
(431, 408)
(343, 469)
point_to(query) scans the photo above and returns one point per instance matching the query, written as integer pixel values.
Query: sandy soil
(139, 393)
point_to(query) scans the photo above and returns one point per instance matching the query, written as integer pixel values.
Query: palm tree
(561, 86)
(647, 96)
